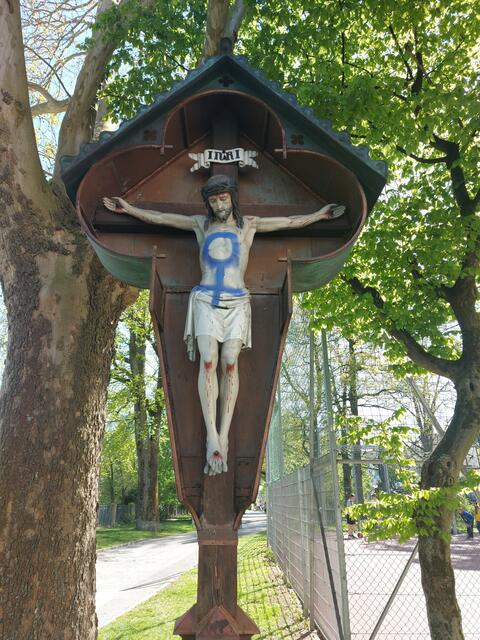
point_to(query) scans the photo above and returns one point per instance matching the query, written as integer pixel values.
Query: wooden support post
(216, 613)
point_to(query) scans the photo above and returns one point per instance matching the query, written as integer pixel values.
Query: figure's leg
(208, 392)
(228, 392)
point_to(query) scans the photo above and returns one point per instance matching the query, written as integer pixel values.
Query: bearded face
(221, 205)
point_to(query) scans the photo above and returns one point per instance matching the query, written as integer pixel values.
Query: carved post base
(216, 614)
(216, 625)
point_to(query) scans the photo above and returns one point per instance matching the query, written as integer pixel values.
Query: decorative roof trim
(342, 139)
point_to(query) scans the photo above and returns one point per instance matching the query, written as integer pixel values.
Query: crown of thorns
(218, 184)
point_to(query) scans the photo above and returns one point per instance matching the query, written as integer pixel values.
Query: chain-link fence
(111, 515)
(352, 589)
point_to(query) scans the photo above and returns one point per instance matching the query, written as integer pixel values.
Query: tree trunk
(64, 308)
(113, 514)
(442, 469)
(384, 479)
(113, 504)
(151, 488)
(346, 470)
(112, 484)
(217, 14)
(147, 517)
(341, 404)
(353, 401)
(424, 425)
(438, 581)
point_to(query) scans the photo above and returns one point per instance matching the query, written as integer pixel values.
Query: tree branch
(57, 106)
(235, 20)
(420, 159)
(420, 74)
(38, 88)
(476, 199)
(217, 14)
(415, 351)
(51, 104)
(177, 62)
(400, 51)
(79, 120)
(19, 160)
(419, 276)
(465, 204)
(462, 297)
(54, 71)
(296, 388)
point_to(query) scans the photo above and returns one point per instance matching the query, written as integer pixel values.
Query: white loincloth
(231, 319)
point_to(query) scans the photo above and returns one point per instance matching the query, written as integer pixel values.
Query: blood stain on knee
(208, 365)
(230, 368)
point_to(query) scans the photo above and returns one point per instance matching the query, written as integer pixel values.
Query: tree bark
(235, 18)
(346, 469)
(438, 582)
(442, 469)
(62, 310)
(217, 15)
(112, 484)
(353, 401)
(147, 516)
(79, 120)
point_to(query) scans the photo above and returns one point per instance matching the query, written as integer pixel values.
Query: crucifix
(221, 278)
(218, 318)
(218, 324)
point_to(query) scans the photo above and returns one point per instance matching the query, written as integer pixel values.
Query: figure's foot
(215, 461)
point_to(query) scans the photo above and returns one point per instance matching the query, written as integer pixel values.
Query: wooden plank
(105, 221)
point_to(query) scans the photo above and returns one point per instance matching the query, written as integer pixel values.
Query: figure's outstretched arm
(328, 212)
(118, 205)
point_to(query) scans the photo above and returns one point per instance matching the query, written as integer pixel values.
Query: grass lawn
(262, 594)
(112, 537)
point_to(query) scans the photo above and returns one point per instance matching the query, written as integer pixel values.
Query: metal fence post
(311, 501)
(394, 593)
(336, 488)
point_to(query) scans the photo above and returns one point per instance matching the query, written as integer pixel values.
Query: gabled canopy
(301, 127)
(303, 164)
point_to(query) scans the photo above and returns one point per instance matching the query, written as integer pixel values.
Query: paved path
(372, 572)
(132, 573)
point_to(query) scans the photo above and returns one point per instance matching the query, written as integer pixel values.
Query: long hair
(221, 184)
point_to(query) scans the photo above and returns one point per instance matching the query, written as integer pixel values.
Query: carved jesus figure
(218, 317)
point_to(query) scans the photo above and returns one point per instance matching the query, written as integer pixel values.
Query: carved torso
(224, 252)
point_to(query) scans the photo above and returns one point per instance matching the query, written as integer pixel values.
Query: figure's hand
(117, 205)
(336, 210)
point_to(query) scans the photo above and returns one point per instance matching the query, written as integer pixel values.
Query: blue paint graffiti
(220, 265)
